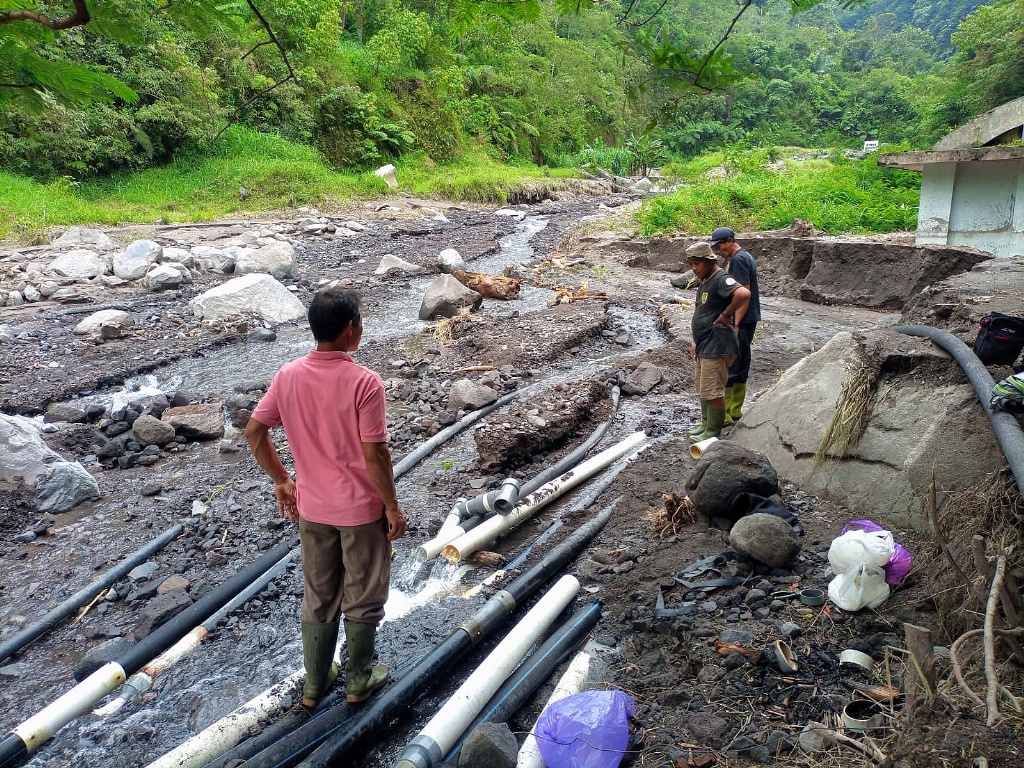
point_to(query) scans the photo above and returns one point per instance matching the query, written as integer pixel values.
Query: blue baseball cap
(722, 234)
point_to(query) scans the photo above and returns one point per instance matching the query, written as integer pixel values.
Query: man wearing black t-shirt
(741, 265)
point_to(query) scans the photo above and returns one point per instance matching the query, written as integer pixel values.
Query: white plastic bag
(862, 586)
(855, 547)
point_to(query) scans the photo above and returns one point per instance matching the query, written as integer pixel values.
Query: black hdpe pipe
(390, 703)
(265, 739)
(18, 641)
(267, 746)
(1006, 427)
(532, 673)
(32, 733)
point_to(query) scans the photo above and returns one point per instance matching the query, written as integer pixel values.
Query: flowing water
(210, 683)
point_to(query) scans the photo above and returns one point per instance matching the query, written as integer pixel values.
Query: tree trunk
(488, 286)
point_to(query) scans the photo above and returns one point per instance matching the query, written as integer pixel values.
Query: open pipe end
(451, 554)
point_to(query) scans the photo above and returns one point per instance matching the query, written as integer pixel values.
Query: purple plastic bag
(586, 730)
(899, 564)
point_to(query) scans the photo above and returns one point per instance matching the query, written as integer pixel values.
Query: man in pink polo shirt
(343, 494)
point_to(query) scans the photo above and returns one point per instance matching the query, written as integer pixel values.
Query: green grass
(278, 174)
(836, 195)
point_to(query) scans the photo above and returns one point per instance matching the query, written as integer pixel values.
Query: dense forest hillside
(939, 18)
(366, 81)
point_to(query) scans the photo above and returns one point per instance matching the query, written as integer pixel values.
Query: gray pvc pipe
(1007, 428)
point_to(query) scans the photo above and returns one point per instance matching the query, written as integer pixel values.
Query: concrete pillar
(934, 212)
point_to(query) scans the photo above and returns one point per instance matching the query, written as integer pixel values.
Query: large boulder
(258, 294)
(149, 430)
(450, 259)
(109, 323)
(81, 264)
(923, 421)
(445, 297)
(167, 276)
(765, 538)
(470, 395)
(642, 380)
(391, 262)
(83, 237)
(202, 421)
(24, 458)
(134, 261)
(211, 259)
(725, 470)
(276, 259)
(489, 745)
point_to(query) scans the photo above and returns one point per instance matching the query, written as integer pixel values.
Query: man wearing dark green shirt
(721, 303)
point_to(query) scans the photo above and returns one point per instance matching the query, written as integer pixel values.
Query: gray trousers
(345, 570)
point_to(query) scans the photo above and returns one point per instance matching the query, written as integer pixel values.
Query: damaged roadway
(695, 704)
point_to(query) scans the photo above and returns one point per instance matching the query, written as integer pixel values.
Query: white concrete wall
(976, 204)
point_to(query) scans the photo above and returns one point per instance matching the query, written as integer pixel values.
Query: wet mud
(695, 706)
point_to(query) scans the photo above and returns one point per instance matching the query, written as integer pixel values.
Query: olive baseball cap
(722, 234)
(700, 251)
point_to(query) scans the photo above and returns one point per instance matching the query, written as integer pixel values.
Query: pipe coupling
(507, 496)
(421, 752)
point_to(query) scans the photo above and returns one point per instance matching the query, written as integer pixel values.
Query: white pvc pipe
(573, 680)
(142, 680)
(447, 726)
(449, 532)
(697, 449)
(62, 711)
(227, 732)
(493, 527)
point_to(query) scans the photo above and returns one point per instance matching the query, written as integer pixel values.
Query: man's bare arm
(257, 434)
(737, 308)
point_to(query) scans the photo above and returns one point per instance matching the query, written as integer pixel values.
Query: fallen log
(488, 286)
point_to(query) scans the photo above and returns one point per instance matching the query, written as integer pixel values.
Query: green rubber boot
(730, 394)
(734, 405)
(362, 678)
(318, 644)
(703, 420)
(716, 420)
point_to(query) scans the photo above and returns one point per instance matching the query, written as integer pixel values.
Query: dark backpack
(1000, 339)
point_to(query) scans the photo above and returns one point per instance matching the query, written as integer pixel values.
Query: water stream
(188, 697)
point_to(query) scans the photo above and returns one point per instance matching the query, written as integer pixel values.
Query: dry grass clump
(994, 509)
(677, 513)
(853, 408)
(447, 329)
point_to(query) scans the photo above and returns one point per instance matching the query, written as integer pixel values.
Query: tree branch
(79, 18)
(992, 697)
(237, 112)
(273, 38)
(649, 19)
(707, 59)
(284, 57)
(252, 50)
